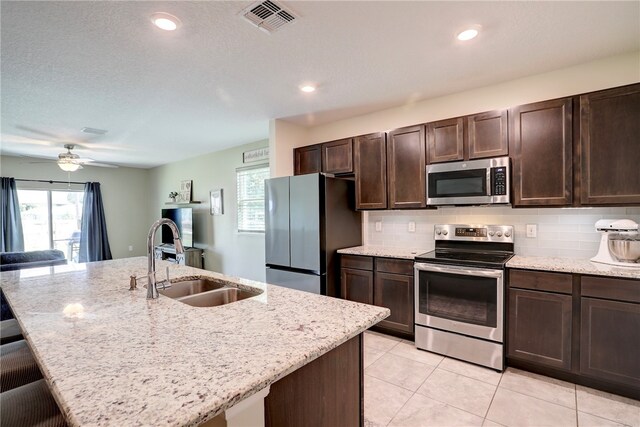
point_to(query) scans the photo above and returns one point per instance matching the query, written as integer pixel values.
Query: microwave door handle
(459, 270)
(489, 191)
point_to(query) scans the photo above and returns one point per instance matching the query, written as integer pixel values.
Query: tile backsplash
(567, 233)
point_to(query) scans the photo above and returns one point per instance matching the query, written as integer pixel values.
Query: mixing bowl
(625, 250)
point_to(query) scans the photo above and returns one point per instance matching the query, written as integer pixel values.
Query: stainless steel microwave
(476, 182)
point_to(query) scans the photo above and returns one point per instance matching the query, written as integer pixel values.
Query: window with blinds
(250, 186)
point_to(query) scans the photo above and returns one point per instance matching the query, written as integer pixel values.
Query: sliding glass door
(51, 219)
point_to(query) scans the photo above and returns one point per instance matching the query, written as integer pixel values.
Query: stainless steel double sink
(206, 292)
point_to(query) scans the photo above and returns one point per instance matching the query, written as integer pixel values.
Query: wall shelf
(193, 202)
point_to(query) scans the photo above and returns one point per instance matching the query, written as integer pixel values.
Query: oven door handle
(459, 270)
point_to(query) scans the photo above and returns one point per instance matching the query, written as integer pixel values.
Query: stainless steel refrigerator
(308, 218)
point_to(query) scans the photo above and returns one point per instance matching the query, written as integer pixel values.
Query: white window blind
(250, 186)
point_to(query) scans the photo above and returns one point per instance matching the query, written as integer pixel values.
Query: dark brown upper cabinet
(445, 140)
(406, 167)
(307, 160)
(487, 134)
(540, 139)
(610, 146)
(477, 136)
(370, 166)
(337, 156)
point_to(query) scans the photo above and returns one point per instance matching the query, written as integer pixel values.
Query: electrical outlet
(532, 230)
(412, 227)
(130, 248)
(378, 225)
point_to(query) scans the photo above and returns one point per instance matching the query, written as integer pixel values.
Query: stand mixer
(620, 243)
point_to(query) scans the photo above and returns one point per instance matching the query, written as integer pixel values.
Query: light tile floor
(404, 386)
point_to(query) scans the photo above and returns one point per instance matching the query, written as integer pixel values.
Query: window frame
(240, 202)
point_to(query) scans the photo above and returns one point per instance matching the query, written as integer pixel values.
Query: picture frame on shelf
(185, 191)
(217, 201)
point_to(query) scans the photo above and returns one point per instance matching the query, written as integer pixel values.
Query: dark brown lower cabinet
(579, 328)
(610, 340)
(385, 282)
(395, 291)
(357, 285)
(540, 327)
(327, 392)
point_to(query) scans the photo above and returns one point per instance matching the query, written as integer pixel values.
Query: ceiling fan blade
(102, 165)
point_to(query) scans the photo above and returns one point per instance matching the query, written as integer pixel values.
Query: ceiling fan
(71, 162)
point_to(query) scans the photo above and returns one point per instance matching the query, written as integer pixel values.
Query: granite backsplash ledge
(564, 233)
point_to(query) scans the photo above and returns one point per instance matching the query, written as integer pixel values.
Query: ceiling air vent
(268, 15)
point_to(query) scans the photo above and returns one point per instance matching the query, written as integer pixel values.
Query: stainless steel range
(460, 290)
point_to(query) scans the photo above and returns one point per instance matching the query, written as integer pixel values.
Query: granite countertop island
(111, 357)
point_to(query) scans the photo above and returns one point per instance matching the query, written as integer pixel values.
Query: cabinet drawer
(357, 261)
(610, 288)
(541, 281)
(396, 266)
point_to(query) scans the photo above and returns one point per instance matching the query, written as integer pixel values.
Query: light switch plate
(532, 230)
(378, 225)
(412, 227)
(130, 248)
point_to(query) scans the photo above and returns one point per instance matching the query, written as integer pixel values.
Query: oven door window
(468, 299)
(466, 183)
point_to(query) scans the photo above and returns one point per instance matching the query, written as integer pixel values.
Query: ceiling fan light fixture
(68, 165)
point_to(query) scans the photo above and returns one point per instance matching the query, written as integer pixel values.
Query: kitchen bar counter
(383, 251)
(111, 357)
(568, 265)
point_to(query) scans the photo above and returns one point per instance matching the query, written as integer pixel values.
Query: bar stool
(17, 366)
(30, 405)
(9, 331)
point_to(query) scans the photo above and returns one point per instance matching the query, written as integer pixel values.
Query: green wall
(226, 250)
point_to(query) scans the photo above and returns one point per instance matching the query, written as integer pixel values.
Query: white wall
(225, 250)
(283, 138)
(124, 192)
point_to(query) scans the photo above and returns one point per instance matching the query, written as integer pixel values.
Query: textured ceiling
(217, 81)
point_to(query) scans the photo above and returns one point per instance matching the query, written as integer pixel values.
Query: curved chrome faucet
(152, 290)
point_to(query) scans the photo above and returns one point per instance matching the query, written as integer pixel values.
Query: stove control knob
(491, 233)
(499, 233)
(445, 232)
(507, 234)
(438, 232)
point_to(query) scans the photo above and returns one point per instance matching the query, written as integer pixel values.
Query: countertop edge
(573, 266)
(553, 264)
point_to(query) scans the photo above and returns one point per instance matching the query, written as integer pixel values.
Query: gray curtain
(11, 239)
(94, 243)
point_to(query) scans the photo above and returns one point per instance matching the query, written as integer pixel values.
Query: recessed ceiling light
(468, 34)
(165, 21)
(308, 88)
